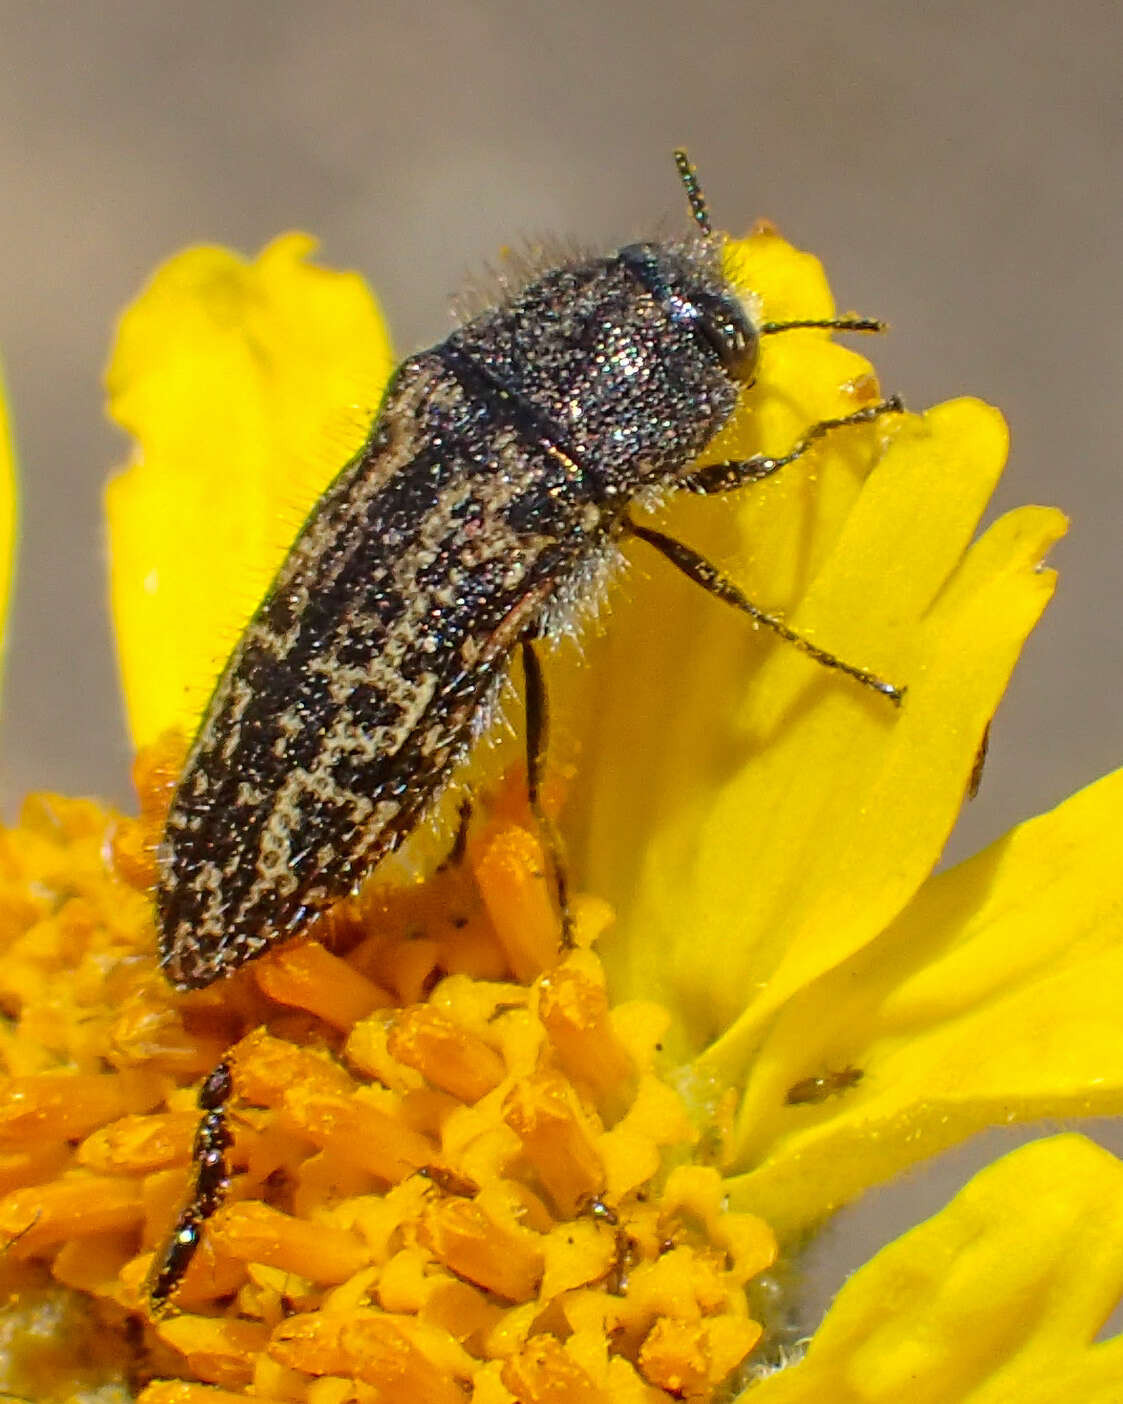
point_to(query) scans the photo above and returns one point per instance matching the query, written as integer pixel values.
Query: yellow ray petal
(837, 806)
(858, 809)
(246, 385)
(995, 1299)
(992, 998)
(652, 723)
(9, 504)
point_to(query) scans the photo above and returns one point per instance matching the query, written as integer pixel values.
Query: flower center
(454, 1165)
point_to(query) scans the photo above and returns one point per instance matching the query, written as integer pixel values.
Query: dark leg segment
(698, 569)
(455, 855)
(537, 730)
(212, 1178)
(726, 477)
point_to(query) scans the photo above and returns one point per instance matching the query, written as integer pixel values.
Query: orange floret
(184, 1392)
(309, 977)
(445, 1054)
(545, 1374)
(574, 1010)
(511, 872)
(258, 1233)
(406, 1367)
(558, 1138)
(450, 1165)
(218, 1349)
(60, 1107)
(501, 1257)
(73, 1206)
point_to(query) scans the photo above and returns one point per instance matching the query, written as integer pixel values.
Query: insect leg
(537, 731)
(703, 573)
(455, 855)
(725, 477)
(212, 1178)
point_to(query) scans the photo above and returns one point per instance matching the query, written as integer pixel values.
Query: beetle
(491, 495)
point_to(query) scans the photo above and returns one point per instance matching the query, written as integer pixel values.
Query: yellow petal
(9, 500)
(247, 385)
(794, 814)
(652, 723)
(740, 807)
(996, 1299)
(992, 998)
(858, 807)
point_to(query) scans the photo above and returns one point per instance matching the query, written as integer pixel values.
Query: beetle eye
(733, 341)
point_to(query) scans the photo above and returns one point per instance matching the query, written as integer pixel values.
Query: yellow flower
(462, 1165)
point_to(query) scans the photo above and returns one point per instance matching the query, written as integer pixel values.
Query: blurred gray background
(955, 164)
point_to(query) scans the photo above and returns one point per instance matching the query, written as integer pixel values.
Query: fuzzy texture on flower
(462, 1165)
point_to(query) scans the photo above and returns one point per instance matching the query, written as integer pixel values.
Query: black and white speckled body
(488, 497)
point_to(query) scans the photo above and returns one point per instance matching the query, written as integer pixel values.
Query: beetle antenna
(853, 324)
(689, 177)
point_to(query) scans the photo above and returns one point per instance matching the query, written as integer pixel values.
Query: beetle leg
(703, 573)
(727, 477)
(537, 736)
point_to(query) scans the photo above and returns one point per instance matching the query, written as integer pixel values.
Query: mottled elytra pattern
(486, 502)
(488, 496)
